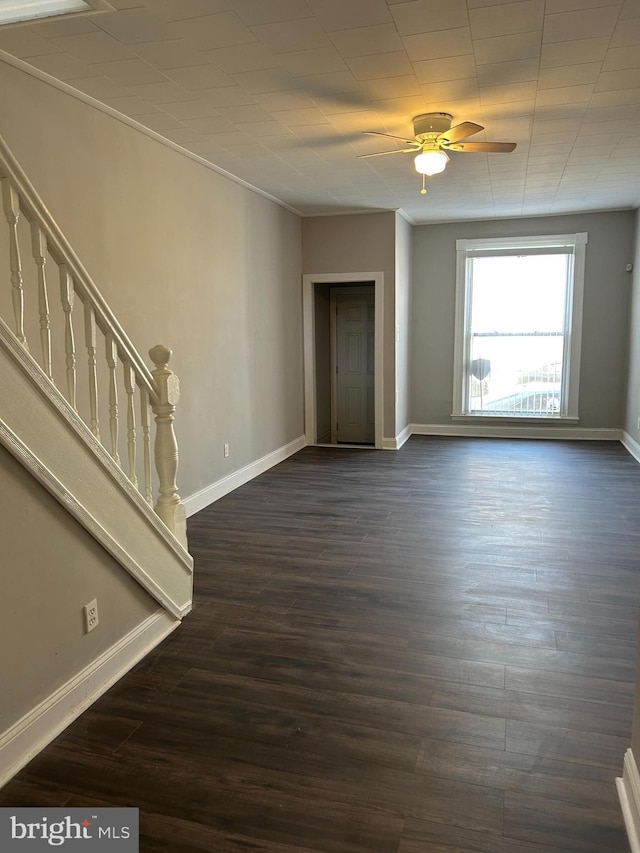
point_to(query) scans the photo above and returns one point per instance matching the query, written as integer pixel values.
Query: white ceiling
(278, 92)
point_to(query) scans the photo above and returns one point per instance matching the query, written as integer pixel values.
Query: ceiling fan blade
(475, 147)
(389, 136)
(459, 131)
(395, 151)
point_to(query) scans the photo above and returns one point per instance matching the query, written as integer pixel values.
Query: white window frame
(573, 323)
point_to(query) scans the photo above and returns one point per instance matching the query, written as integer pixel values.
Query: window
(518, 327)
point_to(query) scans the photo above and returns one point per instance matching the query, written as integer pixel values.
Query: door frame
(309, 282)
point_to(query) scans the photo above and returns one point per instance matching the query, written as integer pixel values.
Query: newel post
(169, 506)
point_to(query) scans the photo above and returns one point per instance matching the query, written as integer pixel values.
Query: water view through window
(516, 334)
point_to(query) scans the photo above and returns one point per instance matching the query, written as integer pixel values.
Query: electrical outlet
(90, 616)
(226, 450)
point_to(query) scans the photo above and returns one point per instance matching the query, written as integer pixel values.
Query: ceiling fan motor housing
(430, 125)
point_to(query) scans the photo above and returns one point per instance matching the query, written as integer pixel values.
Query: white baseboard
(397, 442)
(403, 436)
(631, 445)
(629, 793)
(27, 737)
(210, 494)
(517, 431)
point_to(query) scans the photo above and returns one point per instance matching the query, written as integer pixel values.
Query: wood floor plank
(428, 651)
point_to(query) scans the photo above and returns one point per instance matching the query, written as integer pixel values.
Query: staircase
(78, 404)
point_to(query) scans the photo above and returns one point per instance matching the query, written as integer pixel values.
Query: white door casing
(308, 284)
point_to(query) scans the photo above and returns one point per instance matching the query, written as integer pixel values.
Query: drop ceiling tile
(266, 81)
(584, 24)
(209, 125)
(130, 72)
(248, 113)
(304, 63)
(619, 58)
(507, 19)
(627, 33)
(241, 58)
(423, 16)
(615, 98)
(444, 43)
(164, 93)
(573, 52)
(564, 95)
(554, 6)
(451, 90)
(231, 140)
(505, 94)
(503, 73)
(255, 12)
(403, 108)
(598, 115)
(261, 129)
(292, 99)
(507, 110)
(288, 36)
(181, 10)
(346, 14)
(448, 68)
(630, 9)
(199, 77)
(131, 106)
(189, 109)
(133, 26)
(20, 42)
(176, 53)
(295, 118)
(223, 29)
(568, 75)
(364, 41)
(394, 64)
(100, 88)
(508, 48)
(51, 28)
(63, 67)
(613, 80)
(93, 47)
(390, 87)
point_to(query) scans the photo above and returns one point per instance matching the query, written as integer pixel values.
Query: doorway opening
(343, 336)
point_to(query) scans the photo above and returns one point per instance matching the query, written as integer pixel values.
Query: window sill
(520, 419)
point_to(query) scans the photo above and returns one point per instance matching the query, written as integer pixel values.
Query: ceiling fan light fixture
(431, 162)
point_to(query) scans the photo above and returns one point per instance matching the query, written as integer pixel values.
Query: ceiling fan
(433, 137)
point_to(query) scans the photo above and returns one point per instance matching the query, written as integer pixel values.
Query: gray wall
(632, 411)
(403, 322)
(184, 257)
(51, 567)
(606, 299)
(360, 243)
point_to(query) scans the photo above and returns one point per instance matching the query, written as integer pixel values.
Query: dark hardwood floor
(429, 651)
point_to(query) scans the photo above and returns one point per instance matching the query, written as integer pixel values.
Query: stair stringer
(43, 432)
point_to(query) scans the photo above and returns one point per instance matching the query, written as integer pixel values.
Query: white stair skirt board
(518, 430)
(210, 494)
(631, 445)
(27, 737)
(58, 449)
(629, 794)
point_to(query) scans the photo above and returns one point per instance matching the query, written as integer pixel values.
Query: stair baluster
(67, 295)
(12, 213)
(129, 387)
(112, 362)
(39, 246)
(146, 444)
(90, 341)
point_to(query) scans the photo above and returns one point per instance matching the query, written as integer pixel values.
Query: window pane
(516, 331)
